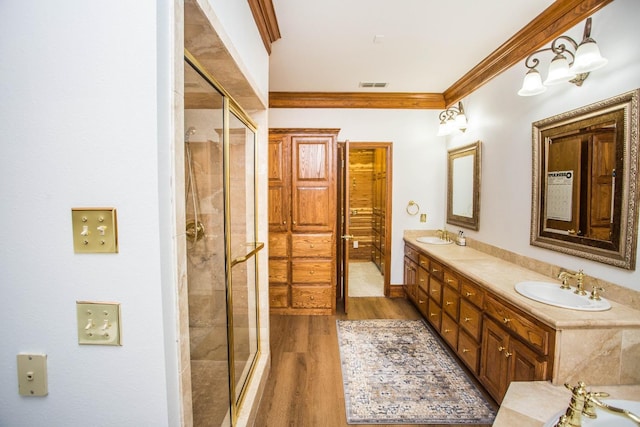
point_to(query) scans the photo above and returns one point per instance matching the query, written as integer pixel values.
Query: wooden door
(279, 183)
(346, 236)
(600, 192)
(493, 363)
(313, 190)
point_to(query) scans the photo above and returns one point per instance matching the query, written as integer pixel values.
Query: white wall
(86, 119)
(79, 127)
(502, 121)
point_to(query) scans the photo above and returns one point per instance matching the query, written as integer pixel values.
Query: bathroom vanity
(468, 297)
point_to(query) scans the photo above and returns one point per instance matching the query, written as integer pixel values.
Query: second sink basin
(433, 240)
(550, 293)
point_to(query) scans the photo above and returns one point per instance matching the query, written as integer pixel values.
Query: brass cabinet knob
(507, 354)
(506, 320)
(465, 350)
(469, 294)
(468, 319)
(448, 303)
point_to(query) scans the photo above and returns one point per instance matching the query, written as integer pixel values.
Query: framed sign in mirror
(463, 186)
(585, 181)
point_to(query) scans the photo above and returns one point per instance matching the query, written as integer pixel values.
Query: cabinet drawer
(434, 314)
(436, 270)
(470, 319)
(411, 253)
(278, 296)
(469, 351)
(422, 301)
(435, 290)
(315, 271)
(451, 280)
(473, 293)
(423, 279)
(450, 302)
(311, 296)
(449, 331)
(535, 335)
(278, 245)
(423, 261)
(311, 245)
(278, 270)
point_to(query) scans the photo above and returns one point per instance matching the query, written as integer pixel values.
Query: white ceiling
(427, 45)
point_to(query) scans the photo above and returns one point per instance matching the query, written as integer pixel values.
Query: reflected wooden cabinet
(302, 221)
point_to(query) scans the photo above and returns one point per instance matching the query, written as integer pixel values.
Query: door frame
(341, 217)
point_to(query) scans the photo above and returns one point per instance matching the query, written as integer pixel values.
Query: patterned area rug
(397, 372)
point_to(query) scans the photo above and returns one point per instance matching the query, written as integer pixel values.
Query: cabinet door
(279, 183)
(313, 188)
(525, 364)
(493, 363)
(410, 277)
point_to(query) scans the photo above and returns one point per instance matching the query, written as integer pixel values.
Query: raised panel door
(493, 363)
(312, 180)
(279, 183)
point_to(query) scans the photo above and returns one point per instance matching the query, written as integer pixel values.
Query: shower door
(220, 209)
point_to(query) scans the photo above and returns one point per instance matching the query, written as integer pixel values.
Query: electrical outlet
(99, 323)
(32, 375)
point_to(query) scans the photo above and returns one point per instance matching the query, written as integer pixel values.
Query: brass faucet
(444, 235)
(583, 402)
(579, 276)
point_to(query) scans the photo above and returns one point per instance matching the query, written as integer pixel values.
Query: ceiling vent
(372, 84)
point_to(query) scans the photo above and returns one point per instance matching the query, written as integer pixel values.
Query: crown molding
(551, 23)
(265, 17)
(388, 100)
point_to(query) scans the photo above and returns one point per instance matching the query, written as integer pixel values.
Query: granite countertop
(533, 403)
(500, 277)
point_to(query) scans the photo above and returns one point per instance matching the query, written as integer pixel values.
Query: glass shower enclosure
(221, 230)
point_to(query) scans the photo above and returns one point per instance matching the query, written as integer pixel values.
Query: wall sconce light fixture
(451, 120)
(585, 58)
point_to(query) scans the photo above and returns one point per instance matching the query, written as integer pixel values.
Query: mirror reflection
(463, 186)
(585, 179)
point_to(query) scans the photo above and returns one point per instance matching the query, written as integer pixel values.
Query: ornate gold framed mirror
(585, 181)
(463, 186)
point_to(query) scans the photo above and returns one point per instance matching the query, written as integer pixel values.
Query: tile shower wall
(206, 286)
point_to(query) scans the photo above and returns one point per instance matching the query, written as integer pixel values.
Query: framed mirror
(463, 186)
(585, 182)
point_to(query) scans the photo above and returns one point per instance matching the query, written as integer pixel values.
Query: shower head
(190, 131)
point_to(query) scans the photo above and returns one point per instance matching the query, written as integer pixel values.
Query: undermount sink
(606, 418)
(552, 294)
(432, 240)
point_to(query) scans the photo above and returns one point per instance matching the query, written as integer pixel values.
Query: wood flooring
(304, 388)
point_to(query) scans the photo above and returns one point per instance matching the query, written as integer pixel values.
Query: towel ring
(413, 208)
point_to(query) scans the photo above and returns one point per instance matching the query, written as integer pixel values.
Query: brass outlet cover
(94, 230)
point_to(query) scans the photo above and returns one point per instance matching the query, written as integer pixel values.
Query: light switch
(94, 230)
(99, 323)
(32, 375)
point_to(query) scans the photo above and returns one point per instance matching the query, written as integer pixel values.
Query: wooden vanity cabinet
(302, 205)
(505, 359)
(498, 342)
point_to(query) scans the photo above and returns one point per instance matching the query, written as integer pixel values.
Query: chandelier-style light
(451, 120)
(584, 58)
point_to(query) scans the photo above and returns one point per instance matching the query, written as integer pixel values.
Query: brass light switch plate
(99, 323)
(94, 230)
